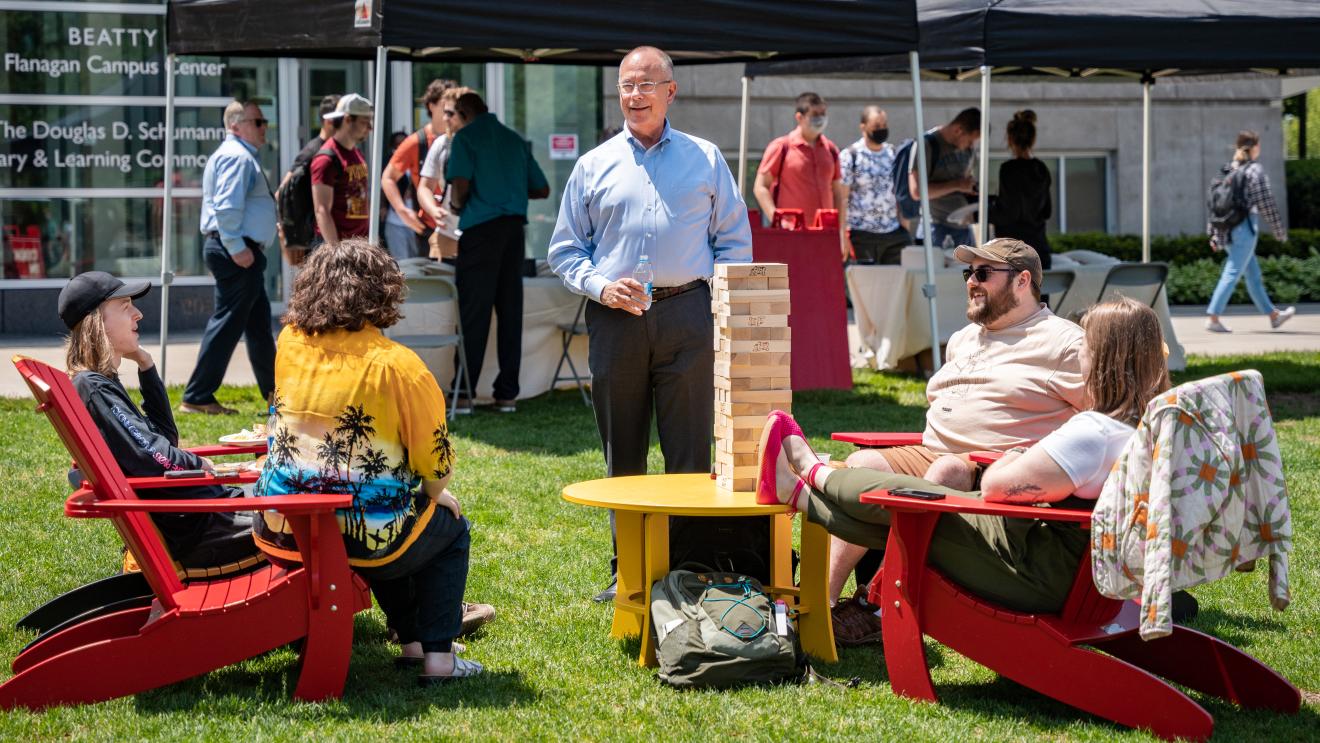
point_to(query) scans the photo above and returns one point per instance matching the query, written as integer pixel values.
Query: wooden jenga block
(766, 308)
(737, 347)
(750, 270)
(739, 446)
(758, 282)
(755, 333)
(731, 296)
(751, 321)
(778, 282)
(757, 409)
(777, 397)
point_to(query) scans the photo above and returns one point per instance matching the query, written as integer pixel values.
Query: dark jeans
(664, 359)
(241, 309)
(421, 591)
(960, 235)
(488, 273)
(885, 248)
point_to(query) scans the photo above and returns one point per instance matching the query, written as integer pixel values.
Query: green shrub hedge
(1303, 178)
(1291, 269)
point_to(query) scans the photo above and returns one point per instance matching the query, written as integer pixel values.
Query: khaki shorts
(442, 246)
(915, 460)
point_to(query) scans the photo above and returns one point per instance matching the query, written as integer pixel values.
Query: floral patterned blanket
(1198, 493)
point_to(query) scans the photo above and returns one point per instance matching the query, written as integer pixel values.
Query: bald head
(649, 56)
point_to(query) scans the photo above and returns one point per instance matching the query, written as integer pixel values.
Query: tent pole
(920, 147)
(1146, 82)
(167, 217)
(983, 178)
(742, 135)
(377, 146)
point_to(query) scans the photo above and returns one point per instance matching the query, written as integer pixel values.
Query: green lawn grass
(553, 672)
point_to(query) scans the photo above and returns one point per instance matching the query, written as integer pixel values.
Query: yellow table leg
(630, 540)
(781, 550)
(815, 630)
(656, 567)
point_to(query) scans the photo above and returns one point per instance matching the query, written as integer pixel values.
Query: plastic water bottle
(270, 430)
(644, 275)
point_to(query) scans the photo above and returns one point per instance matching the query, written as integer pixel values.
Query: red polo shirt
(803, 173)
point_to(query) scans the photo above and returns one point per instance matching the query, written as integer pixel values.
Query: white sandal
(462, 669)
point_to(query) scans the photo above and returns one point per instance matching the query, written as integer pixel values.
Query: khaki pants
(1023, 564)
(442, 246)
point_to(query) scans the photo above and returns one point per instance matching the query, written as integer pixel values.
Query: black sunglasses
(982, 273)
(259, 122)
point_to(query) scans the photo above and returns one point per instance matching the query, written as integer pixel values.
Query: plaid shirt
(1259, 198)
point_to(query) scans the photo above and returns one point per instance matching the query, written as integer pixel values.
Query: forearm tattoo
(1026, 488)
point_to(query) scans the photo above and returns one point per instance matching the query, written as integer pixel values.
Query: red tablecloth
(819, 316)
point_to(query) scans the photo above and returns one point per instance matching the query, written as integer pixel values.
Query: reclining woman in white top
(1023, 564)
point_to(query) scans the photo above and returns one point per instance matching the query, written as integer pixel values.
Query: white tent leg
(742, 135)
(377, 146)
(1146, 84)
(920, 146)
(983, 178)
(167, 218)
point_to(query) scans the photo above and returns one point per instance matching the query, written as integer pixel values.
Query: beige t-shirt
(1005, 388)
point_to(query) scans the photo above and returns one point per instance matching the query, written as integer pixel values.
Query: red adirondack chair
(1089, 655)
(189, 628)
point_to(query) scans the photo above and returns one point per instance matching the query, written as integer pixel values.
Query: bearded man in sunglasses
(238, 222)
(1009, 378)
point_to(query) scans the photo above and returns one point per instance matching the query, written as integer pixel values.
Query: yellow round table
(642, 506)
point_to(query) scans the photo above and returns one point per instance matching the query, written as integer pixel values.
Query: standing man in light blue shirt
(238, 224)
(655, 192)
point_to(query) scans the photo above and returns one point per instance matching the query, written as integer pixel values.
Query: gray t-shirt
(434, 165)
(946, 164)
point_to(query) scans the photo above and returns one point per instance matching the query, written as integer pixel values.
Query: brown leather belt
(665, 292)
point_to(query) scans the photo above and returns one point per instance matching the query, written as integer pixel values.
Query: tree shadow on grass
(374, 690)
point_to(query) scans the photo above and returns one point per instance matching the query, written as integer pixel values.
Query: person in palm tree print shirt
(357, 413)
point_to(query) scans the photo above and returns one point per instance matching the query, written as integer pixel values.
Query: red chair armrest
(962, 504)
(221, 450)
(986, 457)
(874, 440)
(155, 483)
(83, 504)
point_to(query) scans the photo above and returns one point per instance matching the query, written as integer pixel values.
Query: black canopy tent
(1081, 39)
(564, 32)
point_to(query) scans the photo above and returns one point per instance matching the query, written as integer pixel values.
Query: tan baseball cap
(350, 105)
(1014, 252)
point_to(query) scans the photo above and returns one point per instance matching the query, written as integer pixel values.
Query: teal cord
(748, 592)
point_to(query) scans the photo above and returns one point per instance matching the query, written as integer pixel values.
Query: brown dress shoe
(855, 624)
(210, 408)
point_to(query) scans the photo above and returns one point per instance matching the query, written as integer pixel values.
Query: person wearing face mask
(800, 170)
(874, 233)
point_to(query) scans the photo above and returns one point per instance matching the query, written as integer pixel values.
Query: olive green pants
(1022, 564)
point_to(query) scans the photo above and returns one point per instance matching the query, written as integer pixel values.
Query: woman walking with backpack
(1239, 241)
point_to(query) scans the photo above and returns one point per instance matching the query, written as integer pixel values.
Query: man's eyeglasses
(645, 88)
(258, 122)
(982, 273)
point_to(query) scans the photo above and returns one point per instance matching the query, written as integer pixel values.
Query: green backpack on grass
(715, 630)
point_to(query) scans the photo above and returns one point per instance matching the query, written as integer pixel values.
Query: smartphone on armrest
(919, 494)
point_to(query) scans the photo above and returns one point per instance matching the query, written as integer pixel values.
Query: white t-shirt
(1086, 448)
(434, 164)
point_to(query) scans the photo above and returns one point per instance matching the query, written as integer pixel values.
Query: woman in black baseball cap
(103, 331)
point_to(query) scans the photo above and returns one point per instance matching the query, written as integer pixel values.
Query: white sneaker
(1214, 326)
(1283, 317)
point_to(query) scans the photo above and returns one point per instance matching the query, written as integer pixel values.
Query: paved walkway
(1251, 335)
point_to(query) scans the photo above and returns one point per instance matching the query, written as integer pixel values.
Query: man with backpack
(405, 225)
(874, 232)
(340, 186)
(297, 223)
(800, 170)
(950, 151)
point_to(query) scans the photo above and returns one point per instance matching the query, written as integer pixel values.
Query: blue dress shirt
(676, 202)
(236, 199)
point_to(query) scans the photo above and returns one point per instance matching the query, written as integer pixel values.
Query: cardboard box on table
(753, 350)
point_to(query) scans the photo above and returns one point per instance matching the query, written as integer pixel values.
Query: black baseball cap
(86, 291)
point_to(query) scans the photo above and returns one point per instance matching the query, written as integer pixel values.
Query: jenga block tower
(752, 352)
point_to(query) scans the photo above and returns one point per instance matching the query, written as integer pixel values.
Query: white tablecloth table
(893, 317)
(546, 305)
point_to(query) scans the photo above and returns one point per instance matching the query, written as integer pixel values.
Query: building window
(1079, 190)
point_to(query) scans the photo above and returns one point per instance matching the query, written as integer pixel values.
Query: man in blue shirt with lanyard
(238, 222)
(653, 191)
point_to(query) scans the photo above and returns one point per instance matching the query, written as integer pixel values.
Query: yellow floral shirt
(360, 414)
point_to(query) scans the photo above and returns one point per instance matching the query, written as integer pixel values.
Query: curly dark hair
(346, 286)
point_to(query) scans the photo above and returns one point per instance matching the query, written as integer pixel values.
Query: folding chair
(144, 646)
(437, 290)
(1140, 281)
(1055, 283)
(568, 332)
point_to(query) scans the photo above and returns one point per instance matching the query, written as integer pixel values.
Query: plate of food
(246, 437)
